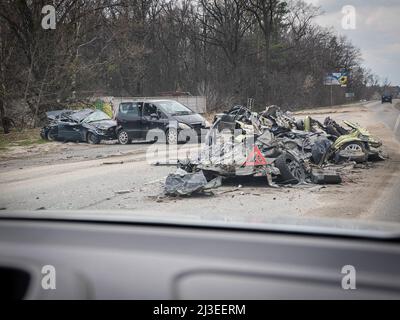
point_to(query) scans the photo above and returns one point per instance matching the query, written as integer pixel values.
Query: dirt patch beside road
(19, 140)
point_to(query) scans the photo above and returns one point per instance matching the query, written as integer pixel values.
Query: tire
(93, 138)
(172, 136)
(292, 172)
(51, 135)
(123, 137)
(354, 146)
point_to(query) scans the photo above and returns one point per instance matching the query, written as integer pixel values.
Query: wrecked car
(238, 144)
(354, 143)
(87, 125)
(357, 145)
(329, 141)
(275, 145)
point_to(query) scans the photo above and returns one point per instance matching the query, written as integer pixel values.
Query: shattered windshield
(281, 112)
(78, 115)
(96, 116)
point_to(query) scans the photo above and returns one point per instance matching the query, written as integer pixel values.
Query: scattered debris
(165, 163)
(113, 162)
(185, 183)
(325, 176)
(123, 191)
(275, 145)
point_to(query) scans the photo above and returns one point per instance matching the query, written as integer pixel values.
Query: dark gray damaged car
(85, 125)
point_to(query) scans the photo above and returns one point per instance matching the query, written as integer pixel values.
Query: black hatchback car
(387, 98)
(85, 125)
(138, 120)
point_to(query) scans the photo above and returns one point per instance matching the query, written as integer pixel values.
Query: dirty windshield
(283, 112)
(174, 108)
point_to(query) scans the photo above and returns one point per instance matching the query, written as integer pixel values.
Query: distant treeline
(227, 50)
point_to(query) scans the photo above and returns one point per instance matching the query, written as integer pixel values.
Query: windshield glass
(174, 108)
(96, 116)
(283, 111)
(78, 116)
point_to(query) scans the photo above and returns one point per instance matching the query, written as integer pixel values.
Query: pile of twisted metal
(275, 145)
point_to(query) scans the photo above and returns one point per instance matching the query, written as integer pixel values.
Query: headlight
(183, 126)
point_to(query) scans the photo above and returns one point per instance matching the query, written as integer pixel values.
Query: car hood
(189, 119)
(103, 124)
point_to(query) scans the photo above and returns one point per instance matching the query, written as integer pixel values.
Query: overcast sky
(377, 32)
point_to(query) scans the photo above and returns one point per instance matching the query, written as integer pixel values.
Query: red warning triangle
(255, 158)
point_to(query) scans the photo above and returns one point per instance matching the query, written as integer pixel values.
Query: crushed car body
(87, 125)
(275, 145)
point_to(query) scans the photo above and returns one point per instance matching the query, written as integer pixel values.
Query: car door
(70, 131)
(152, 122)
(129, 117)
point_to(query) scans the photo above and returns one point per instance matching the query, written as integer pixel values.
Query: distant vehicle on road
(387, 98)
(85, 125)
(135, 119)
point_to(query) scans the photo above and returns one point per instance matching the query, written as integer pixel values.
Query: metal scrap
(276, 145)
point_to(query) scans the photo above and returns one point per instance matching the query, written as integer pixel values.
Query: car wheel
(93, 138)
(353, 147)
(291, 170)
(123, 137)
(52, 135)
(354, 150)
(172, 136)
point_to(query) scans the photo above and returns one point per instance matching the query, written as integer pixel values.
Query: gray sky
(377, 32)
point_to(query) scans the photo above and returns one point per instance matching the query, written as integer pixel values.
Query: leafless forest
(227, 50)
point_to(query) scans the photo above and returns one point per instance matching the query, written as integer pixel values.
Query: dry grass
(25, 137)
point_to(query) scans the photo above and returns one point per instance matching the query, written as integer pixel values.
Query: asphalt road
(388, 114)
(388, 204)
(122, 179)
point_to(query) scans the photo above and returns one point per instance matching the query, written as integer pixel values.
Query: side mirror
(154, 116)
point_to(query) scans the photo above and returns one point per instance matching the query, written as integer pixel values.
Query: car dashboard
(127, 260)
